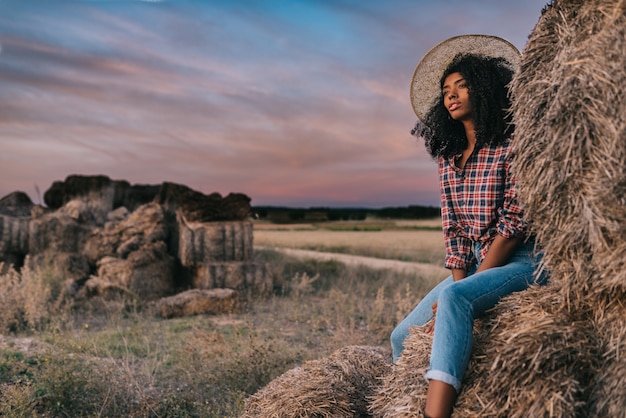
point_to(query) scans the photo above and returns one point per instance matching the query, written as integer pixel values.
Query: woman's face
(456, 97)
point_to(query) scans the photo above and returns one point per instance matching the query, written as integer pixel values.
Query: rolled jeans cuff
(445, 378)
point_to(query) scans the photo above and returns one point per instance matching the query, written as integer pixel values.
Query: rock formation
(106, 237)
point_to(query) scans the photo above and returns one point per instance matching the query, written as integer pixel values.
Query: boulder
(198, 302)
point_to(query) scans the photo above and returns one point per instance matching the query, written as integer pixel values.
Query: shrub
(24, 300)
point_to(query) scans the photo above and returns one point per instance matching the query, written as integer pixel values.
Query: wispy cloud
(290, 102)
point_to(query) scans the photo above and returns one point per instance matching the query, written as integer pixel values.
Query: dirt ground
(377, 263)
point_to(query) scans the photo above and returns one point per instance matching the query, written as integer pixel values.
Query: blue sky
(293, 102)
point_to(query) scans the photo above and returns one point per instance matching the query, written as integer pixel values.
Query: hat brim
(425, 87)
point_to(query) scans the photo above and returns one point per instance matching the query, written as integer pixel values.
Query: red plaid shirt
(477, 203)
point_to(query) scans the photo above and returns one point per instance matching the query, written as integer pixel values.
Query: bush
(25, 300)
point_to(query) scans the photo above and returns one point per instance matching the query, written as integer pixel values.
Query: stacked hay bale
(554, 351)
(571, 131)
(571, 146)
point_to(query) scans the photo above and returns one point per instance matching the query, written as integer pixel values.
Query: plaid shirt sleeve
(511, 222)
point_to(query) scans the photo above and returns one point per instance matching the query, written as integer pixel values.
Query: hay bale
(535, 360)
(336, 386)
(253, 276)
(205, 242)
(529, 359)
(148, 271)
(607, 389)
(198, 302)
(403, 391)
(571, 147)
(570, 141)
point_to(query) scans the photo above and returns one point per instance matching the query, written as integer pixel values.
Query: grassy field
(116, 358)
(419, 241)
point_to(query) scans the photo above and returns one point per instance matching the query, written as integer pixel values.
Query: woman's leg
(419, 316)
(458, 305)
(439, 399)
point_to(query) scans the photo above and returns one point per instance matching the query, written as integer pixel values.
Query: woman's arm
(458, 274)
(499, 253)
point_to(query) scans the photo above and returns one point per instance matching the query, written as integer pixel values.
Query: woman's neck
(470, 133)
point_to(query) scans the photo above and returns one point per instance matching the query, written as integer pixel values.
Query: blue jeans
(459, 303)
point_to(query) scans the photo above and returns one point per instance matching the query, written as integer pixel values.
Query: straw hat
(425, 83)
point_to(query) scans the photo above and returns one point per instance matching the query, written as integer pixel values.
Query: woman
(460, 94)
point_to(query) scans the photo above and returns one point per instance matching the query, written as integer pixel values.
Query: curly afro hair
(488, 82)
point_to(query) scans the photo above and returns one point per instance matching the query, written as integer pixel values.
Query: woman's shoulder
(502, 147)
(499, 153)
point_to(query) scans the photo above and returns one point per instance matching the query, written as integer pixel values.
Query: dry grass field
(117, 358)
(418, 241)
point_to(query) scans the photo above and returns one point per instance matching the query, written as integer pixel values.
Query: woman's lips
(454, 106)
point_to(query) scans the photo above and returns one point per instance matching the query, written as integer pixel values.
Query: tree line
(282, 214)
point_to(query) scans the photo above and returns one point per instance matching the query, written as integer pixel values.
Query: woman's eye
(444, 93)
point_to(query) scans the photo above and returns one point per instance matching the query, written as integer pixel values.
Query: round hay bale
(336, 386)
(568, 105)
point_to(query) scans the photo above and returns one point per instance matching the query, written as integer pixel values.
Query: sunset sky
(292, 102)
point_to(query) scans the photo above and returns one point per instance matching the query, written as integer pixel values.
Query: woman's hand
(430, 327)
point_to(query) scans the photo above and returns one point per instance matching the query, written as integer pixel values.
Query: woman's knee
(398, 335)
(452, 296)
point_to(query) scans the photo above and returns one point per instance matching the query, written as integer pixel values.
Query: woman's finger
(430, 327)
